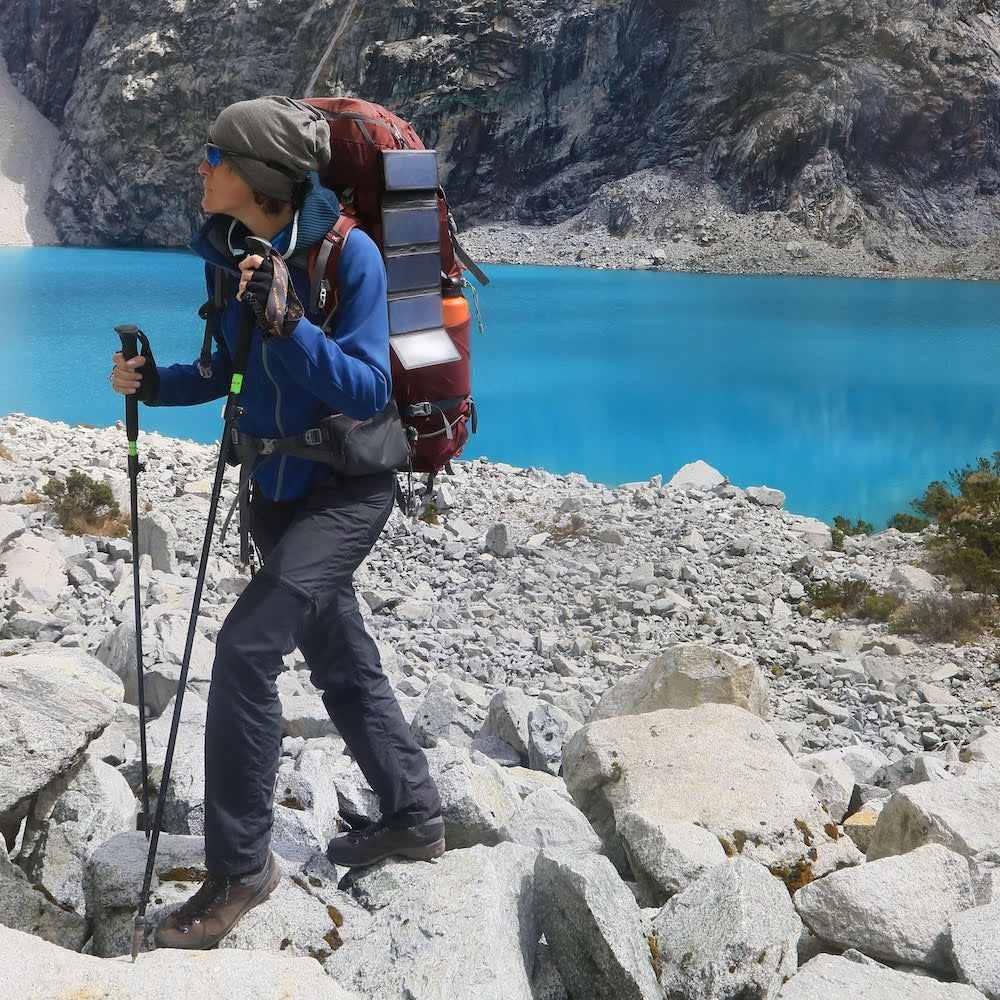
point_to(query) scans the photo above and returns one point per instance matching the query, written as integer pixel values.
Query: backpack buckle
(419, 410)
(324, 292)
(266, 446)
(313, 436)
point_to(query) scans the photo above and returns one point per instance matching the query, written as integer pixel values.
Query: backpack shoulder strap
(323, 270)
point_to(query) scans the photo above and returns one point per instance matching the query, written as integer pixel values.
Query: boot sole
(427, 852)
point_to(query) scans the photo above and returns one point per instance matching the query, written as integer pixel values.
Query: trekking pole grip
(129, 334)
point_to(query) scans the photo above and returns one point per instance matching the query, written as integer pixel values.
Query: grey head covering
(272, 143)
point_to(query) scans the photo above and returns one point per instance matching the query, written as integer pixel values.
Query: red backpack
(387, 185)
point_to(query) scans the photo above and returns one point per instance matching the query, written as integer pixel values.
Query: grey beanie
(287, 133)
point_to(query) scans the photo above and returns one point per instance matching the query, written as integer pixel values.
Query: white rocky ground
(660, 770)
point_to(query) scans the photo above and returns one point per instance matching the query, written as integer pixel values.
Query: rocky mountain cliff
(858, 120)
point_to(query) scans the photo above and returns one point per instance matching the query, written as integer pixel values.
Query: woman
(312, 526)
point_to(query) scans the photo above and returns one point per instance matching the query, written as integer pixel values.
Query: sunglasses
(214, 155)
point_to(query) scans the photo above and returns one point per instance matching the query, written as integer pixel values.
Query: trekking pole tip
(138, 929)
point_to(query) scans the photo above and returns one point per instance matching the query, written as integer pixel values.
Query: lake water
(848, 395)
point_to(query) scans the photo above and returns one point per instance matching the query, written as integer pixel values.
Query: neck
(266, 226)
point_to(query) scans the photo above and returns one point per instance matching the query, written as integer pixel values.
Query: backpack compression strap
(326, 262)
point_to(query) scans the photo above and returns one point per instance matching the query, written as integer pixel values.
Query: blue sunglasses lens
(213, 154)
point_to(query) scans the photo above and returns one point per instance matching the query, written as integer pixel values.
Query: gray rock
(499, 540)
(441, 716)
(594, 928)
(302, 710)
(959, 813)
(55, 702)
(699, 475)
(506, 723)
(37, 563)
(26, 908)
(35, 969)
(11, 525)
(477, 798)
(548, 730)
(685, 676)
(832, 782)
(895, 909)
(765, 496)
(973, 948)
(667, 857)
(827, 976)
(717, 766)
(462, 927)
(307, 805)
(545, 820)
(732, 933)
(69, 819)
(158, 540)
(914, 579)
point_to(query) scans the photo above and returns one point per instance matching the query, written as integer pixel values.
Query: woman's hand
(125, 377)
(248, 265)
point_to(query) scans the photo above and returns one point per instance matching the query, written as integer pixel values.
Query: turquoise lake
(848, 395)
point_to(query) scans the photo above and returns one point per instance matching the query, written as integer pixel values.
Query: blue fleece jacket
(292, 383)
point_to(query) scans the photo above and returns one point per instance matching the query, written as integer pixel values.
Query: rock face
(827, 976)
(587, 914)
(54, 704)
(855, 120)
(685, 676)
(717, 766)
(734, 932)
(36, 969)
(863, 907)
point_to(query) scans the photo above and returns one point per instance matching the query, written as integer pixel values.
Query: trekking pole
(129, 334)
(232, 415)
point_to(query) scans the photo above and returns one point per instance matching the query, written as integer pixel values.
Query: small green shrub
(847, 597)
(908, 523)
(842, 528)
(946, 617)
(85, 506)
(853, 598)
(857, 527)
(879, 607)
(967, 515)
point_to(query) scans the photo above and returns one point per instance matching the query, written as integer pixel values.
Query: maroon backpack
(386, 182)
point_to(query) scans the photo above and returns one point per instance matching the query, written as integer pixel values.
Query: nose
(204, 168)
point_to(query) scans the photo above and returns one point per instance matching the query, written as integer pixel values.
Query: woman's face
(224, 190)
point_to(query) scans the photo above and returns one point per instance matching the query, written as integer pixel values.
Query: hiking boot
(358, 848)
(209, 915)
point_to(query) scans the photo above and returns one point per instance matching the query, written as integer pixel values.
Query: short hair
(270, 205)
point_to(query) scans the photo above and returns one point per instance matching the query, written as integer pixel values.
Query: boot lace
(356, 837)
(212, 891)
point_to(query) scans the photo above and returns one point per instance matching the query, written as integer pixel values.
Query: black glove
(272, 298)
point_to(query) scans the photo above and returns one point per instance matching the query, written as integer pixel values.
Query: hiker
(311, 525)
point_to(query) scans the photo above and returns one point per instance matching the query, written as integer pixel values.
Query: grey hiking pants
(304, 596)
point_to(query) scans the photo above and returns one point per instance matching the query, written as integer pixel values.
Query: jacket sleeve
(183, 385)
(349, 372)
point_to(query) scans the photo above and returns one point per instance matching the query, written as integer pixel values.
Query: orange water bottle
(454, 306)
